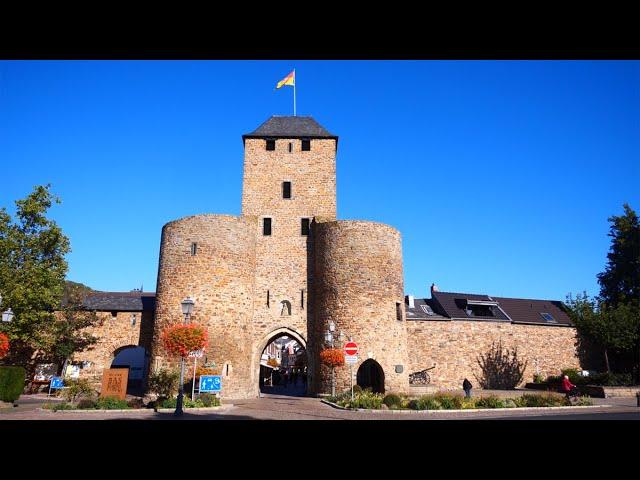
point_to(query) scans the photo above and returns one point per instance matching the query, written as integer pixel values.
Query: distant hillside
(70, 286)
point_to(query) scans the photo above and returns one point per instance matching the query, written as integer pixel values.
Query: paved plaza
(272, 406)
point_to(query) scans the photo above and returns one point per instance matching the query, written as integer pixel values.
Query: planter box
(597, 391)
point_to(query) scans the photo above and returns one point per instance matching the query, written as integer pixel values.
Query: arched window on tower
(286, 308)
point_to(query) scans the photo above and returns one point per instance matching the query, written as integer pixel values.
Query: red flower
(182, 339)
(332, 357)
(4, 345)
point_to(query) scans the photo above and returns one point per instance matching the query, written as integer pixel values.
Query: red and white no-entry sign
(351, 348)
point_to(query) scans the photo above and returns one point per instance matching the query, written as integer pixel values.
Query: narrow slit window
(286, 189)
(194, 248)
(306, 145)
(267, 298)
(290, 147)
(304, 227)
(398, 311)
(301, 298)
(266, 226)
(271, 145)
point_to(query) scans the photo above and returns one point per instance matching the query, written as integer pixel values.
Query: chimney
(434, 288)
(410, 300)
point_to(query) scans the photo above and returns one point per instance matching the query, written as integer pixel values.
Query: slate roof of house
(452, 305)
(290, 127)
(120, 301)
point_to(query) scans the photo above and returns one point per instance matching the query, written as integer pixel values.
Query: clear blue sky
(500, 175)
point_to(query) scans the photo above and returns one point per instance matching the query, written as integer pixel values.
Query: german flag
(288, 80)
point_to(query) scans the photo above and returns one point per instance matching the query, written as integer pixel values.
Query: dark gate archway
(370, 375)
(136, 359)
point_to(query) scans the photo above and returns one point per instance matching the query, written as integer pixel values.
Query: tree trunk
(606, 360)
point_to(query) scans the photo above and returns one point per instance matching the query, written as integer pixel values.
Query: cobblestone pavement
(283, 407)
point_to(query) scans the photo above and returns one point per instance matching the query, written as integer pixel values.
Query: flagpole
(294, 92)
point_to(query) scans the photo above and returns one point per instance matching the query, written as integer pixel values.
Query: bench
(37, 384)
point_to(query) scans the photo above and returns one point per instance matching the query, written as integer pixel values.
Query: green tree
(615, 329)
(620, 282)
(32, 271)
(69, 332)
(49, 321)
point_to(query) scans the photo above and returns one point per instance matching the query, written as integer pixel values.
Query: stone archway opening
(283, 364)
(136, 359)
(371, 375)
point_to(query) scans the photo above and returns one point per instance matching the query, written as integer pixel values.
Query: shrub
(164, 383)
(490, 402)
(111, 403)
(62, 406)
(135, 403)
(11, 383)
(392, 400)
(468, 403)
(538, 378)
(541, 400)
(87, 404)
(209, 400)
(500, 368)
(365, 399)
(332, 357)
(449, 401)
(76, 388)
(510, 403)
(357, 389)
(188, 403)
(181, 339)
(4, 345)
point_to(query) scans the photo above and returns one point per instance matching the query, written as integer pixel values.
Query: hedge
(11, 383)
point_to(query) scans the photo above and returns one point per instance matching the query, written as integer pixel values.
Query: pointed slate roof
(290, 127)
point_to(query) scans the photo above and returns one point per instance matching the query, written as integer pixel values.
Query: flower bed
(447, 401)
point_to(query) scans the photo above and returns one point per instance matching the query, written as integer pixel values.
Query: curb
(198, 409)
(409, 411)
(136, 410)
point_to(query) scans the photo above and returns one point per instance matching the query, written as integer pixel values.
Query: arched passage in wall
(370, 375)
(283, 363)
(136, 359)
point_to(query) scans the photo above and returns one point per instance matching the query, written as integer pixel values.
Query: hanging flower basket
(332, 357)
(181, 339)
(4, 345)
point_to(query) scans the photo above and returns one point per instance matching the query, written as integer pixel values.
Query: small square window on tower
(306, 145)
(304, 226)
(266, 226)
(271, 144)
(286, 189)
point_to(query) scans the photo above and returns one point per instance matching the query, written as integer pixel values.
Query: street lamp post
(7, 315)
(329, 339)
(187, 307)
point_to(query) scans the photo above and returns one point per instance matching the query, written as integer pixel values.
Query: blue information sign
(210, 383)
(57, 382)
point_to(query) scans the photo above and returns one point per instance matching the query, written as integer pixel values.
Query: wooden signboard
(114, 383)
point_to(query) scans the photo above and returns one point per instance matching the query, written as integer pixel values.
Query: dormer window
(548, 318)
(427, 309)
(271, 145)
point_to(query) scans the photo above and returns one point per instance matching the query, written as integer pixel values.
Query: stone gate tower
(286, 266)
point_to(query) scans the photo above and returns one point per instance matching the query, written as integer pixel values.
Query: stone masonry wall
(220, 279)
(455, 345)
(113, 333)
(358, 268)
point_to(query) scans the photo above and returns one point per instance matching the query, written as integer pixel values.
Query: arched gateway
(281, 369)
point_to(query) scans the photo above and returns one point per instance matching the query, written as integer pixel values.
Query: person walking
(567, 387)
(466, 386)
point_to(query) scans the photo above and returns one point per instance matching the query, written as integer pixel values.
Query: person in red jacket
(567, 386)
